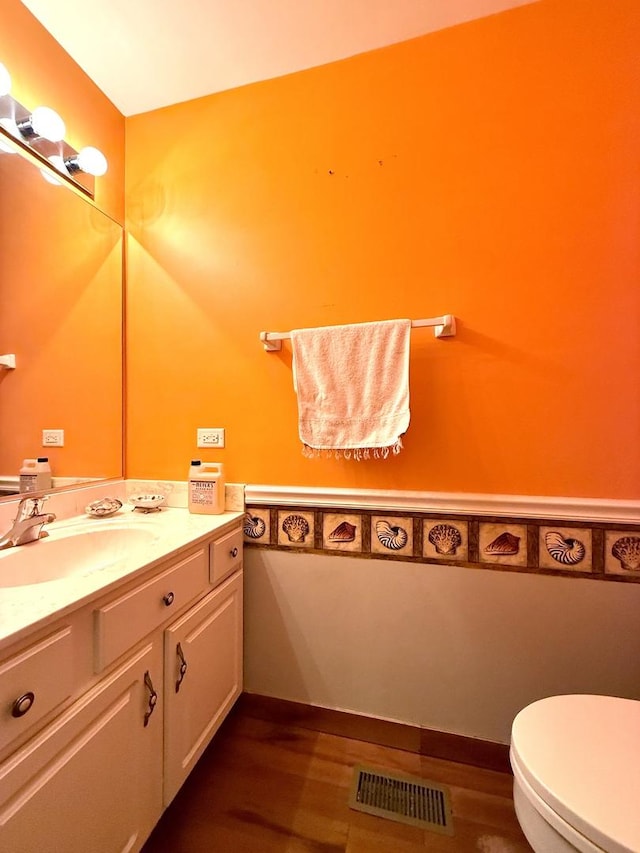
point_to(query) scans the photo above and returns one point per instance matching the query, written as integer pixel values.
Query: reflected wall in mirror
(61, 311)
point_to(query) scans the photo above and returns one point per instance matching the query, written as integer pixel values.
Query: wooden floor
(268, 788)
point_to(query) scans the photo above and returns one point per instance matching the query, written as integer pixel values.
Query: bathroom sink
(72, 552)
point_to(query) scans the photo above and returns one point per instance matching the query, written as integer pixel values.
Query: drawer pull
(234, 552)
(168, 599)
(183, 666)
(153, 697)
(22, 704)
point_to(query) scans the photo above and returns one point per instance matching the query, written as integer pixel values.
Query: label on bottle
(204, 492)
(28, 482)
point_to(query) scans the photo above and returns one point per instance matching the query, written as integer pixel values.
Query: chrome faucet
(28, 523)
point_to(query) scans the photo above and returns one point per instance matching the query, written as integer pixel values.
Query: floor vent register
(402, 798)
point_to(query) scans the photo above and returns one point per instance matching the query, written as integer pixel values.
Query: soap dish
(103, 507)
(147, 503)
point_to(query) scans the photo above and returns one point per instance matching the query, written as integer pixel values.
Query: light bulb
(10, 126)
(51, 179)
(58, 163)
(43, 122)
(5, 80)
(48, 124)
(6, 124)
(89, 160)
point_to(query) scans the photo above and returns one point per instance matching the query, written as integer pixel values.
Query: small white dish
(147, 503)
(103, 508)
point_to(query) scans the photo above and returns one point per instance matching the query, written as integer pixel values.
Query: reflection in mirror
(61, 316)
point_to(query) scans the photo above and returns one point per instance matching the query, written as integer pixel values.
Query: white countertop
(24, 608)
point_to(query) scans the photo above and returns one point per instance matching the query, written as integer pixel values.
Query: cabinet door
(92, 779)
(203, 678)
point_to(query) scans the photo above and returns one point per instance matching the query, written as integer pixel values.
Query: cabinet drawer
(225, 556)
(41, 676)
(129, 618)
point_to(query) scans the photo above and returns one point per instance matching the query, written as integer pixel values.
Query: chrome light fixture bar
(41, 132)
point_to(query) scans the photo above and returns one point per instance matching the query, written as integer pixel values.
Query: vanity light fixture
(41, 131)
(89, 160)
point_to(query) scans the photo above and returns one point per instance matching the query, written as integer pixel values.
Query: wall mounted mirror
(61, 316)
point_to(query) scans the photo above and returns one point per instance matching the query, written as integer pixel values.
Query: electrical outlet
(53, 438)
(211, 438)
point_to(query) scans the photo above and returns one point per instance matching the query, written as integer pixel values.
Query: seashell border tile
(256, 526)
(582, 549)
(566, 549)
(622, 553)
(342, 532)
(392, 535)
(296, 528)
(490, 534)
(443, 539)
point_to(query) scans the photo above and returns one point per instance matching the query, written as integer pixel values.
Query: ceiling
(146, 54)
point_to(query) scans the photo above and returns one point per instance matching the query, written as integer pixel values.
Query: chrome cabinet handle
(234, 552)
(153, 697)
(168, 599)
(183, 666)
(22, 704)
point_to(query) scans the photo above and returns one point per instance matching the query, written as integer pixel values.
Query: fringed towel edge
(357, 453)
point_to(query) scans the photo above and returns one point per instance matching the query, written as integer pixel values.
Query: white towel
(352, 384)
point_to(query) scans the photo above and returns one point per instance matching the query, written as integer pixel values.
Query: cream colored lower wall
(449, 648)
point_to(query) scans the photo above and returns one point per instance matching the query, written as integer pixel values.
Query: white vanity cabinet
(108, 740)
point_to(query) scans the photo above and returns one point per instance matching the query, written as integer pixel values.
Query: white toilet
(576, 767)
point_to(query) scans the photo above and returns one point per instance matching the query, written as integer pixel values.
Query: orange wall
(489, 170)
(43, 73)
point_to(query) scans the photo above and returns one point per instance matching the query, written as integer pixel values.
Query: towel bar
(444, 327)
